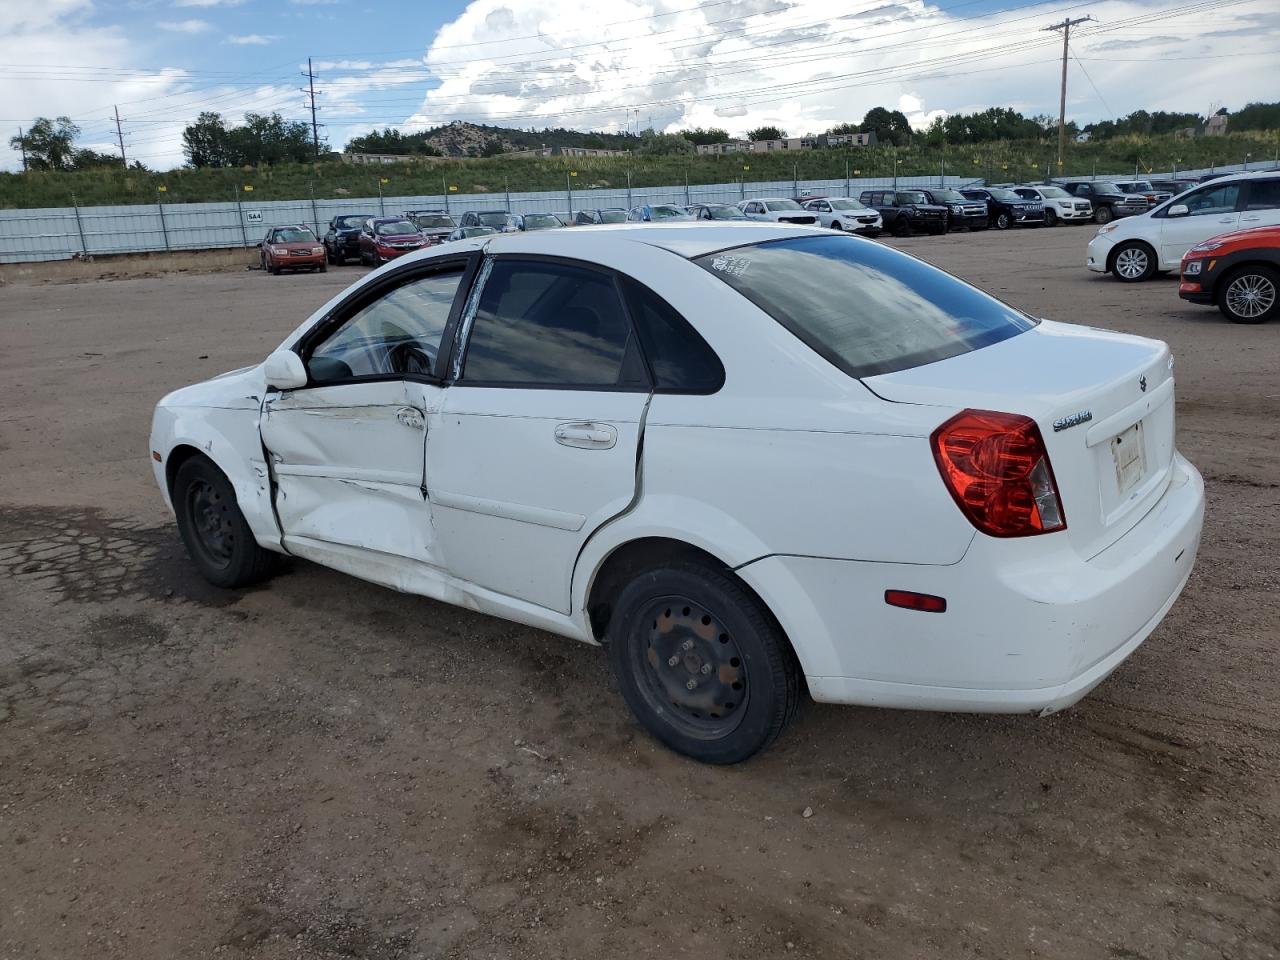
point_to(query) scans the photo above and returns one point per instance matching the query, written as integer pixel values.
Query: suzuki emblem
(1142, 383)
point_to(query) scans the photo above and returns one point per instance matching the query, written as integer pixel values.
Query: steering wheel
(409, 356)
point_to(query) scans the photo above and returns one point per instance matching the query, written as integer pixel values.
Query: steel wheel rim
(211, 522)
(1131, 263)
(1251, 295)
(690, 669)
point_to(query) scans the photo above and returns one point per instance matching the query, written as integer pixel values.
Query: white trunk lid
(1110, 395)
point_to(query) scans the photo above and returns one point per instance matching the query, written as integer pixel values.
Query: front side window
(866, 308)
(613, 216)
(399, 333)
(548, 325)
(777, 205)
(1264, 195)
(912, 196)
(1214, 200)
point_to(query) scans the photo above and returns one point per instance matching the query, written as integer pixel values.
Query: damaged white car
(752, 460)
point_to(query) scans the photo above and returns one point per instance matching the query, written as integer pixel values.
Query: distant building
(377, 159)
(1084, 136)
(789, 143)
(867, 139)
(1216, 125)
(589, 152)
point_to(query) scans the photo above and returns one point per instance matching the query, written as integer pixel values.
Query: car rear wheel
(1003, 221)
(901, 228)
(213, 529)
(1250, 295)
(701, 663)
(1050, 218)
(1102, 215)
(1133, 262)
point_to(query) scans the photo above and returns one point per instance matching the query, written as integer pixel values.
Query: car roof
(686, 238)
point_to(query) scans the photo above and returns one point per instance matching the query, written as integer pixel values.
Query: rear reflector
(910, 600)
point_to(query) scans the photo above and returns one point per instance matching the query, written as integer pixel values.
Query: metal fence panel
(63, 233)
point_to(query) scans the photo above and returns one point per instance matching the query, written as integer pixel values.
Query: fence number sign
(253, 216)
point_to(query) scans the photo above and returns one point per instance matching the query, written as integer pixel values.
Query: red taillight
(998, 471)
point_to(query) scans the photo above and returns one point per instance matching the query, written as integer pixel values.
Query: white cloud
(185, 26)
(313, 3)
(207, 3)
(252, 40)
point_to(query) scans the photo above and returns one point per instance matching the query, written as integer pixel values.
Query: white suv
(1058, 204)
(1137, 248)
(847, 214)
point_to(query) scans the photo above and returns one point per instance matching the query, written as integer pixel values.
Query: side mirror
(1178, 210)
(284, 370)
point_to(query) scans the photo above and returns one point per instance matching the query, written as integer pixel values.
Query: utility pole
(311, 94)
(120, 137)
(22, 145)
(1065, 26)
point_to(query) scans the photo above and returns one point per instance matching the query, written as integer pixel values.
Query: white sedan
(753, 461)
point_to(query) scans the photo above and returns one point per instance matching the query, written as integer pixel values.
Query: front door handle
(587, 435)
(1250, 219)
(410, 417)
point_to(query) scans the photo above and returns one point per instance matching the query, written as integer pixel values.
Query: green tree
(207, 142)
(889, 126)
(49, 144)
(492, 147)
(88, 159)
(767, 133)
(654, 144)
(1256, 116)
(699, 137)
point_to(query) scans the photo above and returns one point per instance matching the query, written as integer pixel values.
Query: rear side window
(681, 360)
(1264, 195)
(866, 308)
(550, 325)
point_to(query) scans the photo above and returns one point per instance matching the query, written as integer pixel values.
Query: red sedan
(1238, 272)
(292, 248)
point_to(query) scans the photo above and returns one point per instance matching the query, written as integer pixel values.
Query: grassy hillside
(1017, 160)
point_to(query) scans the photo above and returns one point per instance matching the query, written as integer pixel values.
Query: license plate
(1130, 461)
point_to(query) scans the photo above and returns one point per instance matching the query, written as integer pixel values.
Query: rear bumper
(1029, 627)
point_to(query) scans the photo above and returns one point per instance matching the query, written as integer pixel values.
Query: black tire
(213, 529)
(330, 256)
(938, 231)
(1050, 218)
(1233, 289)
(835, 225)
(1133, 262)
(1102, 215)
(324, 267)
(1003, 221)
(901, 227)
(273, 267)
(685, 639)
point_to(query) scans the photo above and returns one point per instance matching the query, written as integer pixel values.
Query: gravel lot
(324, 768)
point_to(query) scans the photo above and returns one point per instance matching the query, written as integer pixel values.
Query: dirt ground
(324, 768)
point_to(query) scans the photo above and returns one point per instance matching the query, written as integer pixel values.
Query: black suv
(500, 220)
(1005, 208)
(902, 211)
(1109, 201)
(961, 211)
(342, 242)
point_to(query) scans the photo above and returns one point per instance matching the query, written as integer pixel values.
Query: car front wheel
(835, 225)
(1133, 262)
(1050, 218)
(1250, 295)
(1003, 221)
(213, 529)
(701, 663)
(1102, 215)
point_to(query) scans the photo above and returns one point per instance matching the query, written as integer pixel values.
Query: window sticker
(734, 266)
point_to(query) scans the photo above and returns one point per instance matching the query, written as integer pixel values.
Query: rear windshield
(495, 219)
(434, 220)
(865, 307)
(660, 212)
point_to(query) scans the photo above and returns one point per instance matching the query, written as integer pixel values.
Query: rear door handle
(587, 435)
(410, 417)
(1249, 219)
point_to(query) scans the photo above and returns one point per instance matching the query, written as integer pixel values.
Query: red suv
(1239, 272)
(385, 238)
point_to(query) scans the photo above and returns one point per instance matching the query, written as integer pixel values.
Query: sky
(802, 65)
